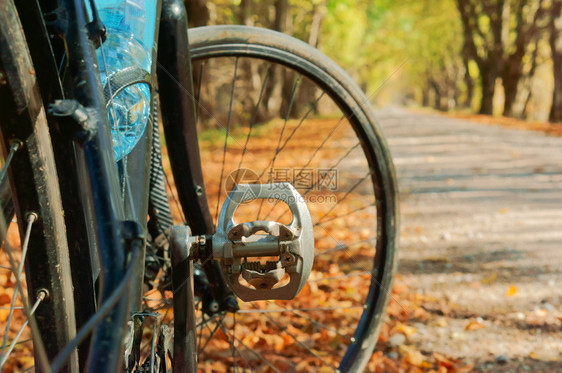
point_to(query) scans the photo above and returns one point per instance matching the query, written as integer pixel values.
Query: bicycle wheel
(44, 298)
(272, 108)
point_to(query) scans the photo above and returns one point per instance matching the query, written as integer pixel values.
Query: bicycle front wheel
(270, 109)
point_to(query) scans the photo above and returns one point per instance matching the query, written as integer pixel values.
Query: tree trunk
(438, 103)
(488, 76)
(197, 12)
(510, 80)
(281, 12)
(425, 95)
(555, 28)
(245, 12)
(469, 83)
(315, 25)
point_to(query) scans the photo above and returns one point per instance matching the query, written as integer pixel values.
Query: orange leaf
(474, 325)
(511, 291)
(5, 299)
(544, 356)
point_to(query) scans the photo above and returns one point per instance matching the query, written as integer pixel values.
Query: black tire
(50, 179)
(35, 191)
(312, 69)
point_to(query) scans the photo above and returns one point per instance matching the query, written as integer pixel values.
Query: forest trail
(481, 238)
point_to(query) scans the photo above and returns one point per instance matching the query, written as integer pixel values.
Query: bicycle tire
(75, 305)
(35, 192)
(241, 42)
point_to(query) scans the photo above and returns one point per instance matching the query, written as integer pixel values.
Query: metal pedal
(237, 246)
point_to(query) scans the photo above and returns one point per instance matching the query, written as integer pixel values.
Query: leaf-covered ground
(478, 288)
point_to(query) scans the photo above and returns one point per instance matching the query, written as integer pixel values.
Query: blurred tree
(555, 40)
(496, 36)
(197, 12)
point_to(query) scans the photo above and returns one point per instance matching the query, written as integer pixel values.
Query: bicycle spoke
(40, 297)
(374, 204)
(284, 329)
(98, 317)
(291, 100)
(315, 184)
(332, 132)
(30, 220)
(38, 348)
(234, 349)
(344, 247)
(174, 197)
(226, 134)
(198, 95)
(333, 167)
(310, 110)
(340, 200)
(256, 354)
(213, 331)
(355, 274)
(21, 342)
(13, 149)
(322, 325)
(254, 117)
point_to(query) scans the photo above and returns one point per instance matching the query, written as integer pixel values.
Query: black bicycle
(114, 279)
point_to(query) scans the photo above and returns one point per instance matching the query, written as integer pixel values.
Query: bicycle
(91, 270)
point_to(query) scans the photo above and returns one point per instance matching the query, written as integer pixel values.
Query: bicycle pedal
(238, 247)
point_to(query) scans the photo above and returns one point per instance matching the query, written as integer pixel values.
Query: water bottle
(130, 38)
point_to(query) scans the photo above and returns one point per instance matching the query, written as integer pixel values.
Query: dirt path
(481, 238)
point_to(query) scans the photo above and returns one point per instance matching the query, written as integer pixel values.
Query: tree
(496, 35)
(555, 40)
(198, 12)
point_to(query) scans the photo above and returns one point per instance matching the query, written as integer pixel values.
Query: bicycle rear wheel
(272, 108)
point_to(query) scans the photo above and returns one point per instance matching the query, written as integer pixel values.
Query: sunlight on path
(481, 211)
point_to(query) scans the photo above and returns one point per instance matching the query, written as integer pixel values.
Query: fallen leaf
(443, 361)
(541, 356)
(408, 331)
(474, 325)
(411, 355)
(5, 299)
(511, 291)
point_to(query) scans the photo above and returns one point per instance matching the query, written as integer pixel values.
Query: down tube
(178, 117)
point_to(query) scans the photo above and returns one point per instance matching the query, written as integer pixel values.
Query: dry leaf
(474, 325)
(408, 331)
(541, 356)
(511, 291)
(412, 356)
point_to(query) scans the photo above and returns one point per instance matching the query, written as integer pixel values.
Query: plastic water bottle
(130, 38)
